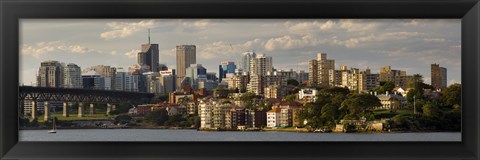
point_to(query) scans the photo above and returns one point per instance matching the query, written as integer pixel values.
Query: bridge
(87, 96)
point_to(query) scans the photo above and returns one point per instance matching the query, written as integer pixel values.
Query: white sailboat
(54, 129)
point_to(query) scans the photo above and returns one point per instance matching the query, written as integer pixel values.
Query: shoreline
(261, 130)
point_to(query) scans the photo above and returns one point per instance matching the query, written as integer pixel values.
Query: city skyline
(353, 43)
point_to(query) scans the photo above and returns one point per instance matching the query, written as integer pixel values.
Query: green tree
(414, 93)
(359, 105)
(388, 86)
(452, 95)
(243, 90)
(292, 82)
(123, 107)
(328, 114)
(291, 98)
(431, 110)
(336, 90)
(267, 107)
(417, 82)
(158, 117)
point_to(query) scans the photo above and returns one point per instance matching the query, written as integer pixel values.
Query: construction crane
(236, 55)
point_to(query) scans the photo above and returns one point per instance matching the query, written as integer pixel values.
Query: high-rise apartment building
(259, 82)
(319, 70)
(398, 77)
(261, 65)
(313, 72)
(438, 76)
(324, 65)
(72, 77)
(245, 63)
(186, 55)
(367, 81)
(50, 74)
(238, 82)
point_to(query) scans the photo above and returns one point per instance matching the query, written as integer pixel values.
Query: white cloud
(453, 81)
(201, 23)
(434, 40)
(381, 37)
(132, 54)
(125, 29)
(357, 25)
(212, 50)
(306, 27)
(215, 49)
(113, 52)
(288, 42)
(38, 49)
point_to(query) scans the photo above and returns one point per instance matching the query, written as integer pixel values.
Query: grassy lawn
(96, 116)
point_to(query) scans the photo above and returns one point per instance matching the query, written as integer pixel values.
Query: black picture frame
(11, 11)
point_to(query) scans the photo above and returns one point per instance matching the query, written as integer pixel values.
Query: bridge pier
(34, 109)
(20, 107)
(80, 109)
(92, 109)
(65, 110)
(109, 108)
(46, 110)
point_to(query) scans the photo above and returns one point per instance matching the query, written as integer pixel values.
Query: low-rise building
(175, 98)
(307, 95)
(392, 101)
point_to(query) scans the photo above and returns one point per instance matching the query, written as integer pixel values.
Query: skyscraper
(104, 71)
(245, 63)
(313, 72)
(319, 70)
(194, 73)
(50, 74)
(438, 76)
(261, 65)
(186, 55)
(324, 65)
(72, 77)
(149, 55)
(224, 68)
(94, 80)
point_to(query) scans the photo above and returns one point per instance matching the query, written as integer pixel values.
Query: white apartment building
(273, 118)
(308, 94)
(206, 114)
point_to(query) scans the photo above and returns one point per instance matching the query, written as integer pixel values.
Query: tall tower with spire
(149, 55)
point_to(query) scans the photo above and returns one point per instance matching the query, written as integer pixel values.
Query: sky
(404, 44)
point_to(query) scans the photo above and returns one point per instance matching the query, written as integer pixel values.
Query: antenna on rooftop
(149, 36)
